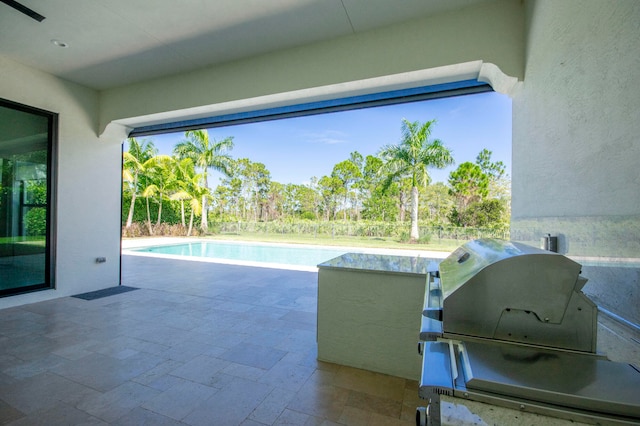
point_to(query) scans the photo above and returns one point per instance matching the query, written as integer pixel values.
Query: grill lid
(509, 291)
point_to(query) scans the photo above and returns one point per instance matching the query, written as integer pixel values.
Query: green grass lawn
(37, 240)
(18, 246)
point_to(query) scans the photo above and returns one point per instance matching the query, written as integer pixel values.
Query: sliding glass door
(27, 147)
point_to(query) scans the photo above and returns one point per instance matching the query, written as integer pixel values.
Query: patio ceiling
(112, 43)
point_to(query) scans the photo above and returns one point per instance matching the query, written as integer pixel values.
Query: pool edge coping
(129, 249)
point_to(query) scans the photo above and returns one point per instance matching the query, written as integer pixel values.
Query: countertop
(413, 265)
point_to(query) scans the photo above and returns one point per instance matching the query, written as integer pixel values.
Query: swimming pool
(274, 255)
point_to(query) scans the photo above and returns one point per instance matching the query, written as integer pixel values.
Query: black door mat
(99, 294)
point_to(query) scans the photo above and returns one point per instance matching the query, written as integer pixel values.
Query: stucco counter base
(369, 308)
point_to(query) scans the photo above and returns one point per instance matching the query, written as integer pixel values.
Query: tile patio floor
(197, 344)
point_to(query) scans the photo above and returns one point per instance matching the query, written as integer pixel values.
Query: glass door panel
(26, 142)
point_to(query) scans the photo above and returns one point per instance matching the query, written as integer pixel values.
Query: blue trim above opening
(332, 105)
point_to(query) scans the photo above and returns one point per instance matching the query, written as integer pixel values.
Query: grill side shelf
(436, 374)
(571, 380)
(436, 378)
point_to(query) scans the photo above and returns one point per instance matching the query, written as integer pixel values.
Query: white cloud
(327, 137)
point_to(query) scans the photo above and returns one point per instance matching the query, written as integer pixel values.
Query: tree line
(392, 186)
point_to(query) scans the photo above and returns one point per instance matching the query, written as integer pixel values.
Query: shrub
(136, 230)
(307, 216)
(168, 230)
(140, 229)
(36, 221)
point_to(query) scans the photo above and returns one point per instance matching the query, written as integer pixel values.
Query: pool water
(285, 255)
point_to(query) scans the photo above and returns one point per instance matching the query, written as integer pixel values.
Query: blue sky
(296, 149)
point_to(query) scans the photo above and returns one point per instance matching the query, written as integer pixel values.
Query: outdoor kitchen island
(369, 307)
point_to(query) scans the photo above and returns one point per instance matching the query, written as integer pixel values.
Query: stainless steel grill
(507, 324)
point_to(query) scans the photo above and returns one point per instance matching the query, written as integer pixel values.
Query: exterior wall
(576, 146)
(88, 199)
(491, 32)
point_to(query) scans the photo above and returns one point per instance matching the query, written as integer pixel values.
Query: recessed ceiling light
(59, 43)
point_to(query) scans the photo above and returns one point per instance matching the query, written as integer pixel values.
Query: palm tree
(148, 192)
(193, 192)
(184, 171)
(205, 155)
(160, 179)
(198, 192)
(412, 157)
(133, 166)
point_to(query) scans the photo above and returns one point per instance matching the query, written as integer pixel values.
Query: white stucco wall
(88, 199)
(576, 147)
(490, 32)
